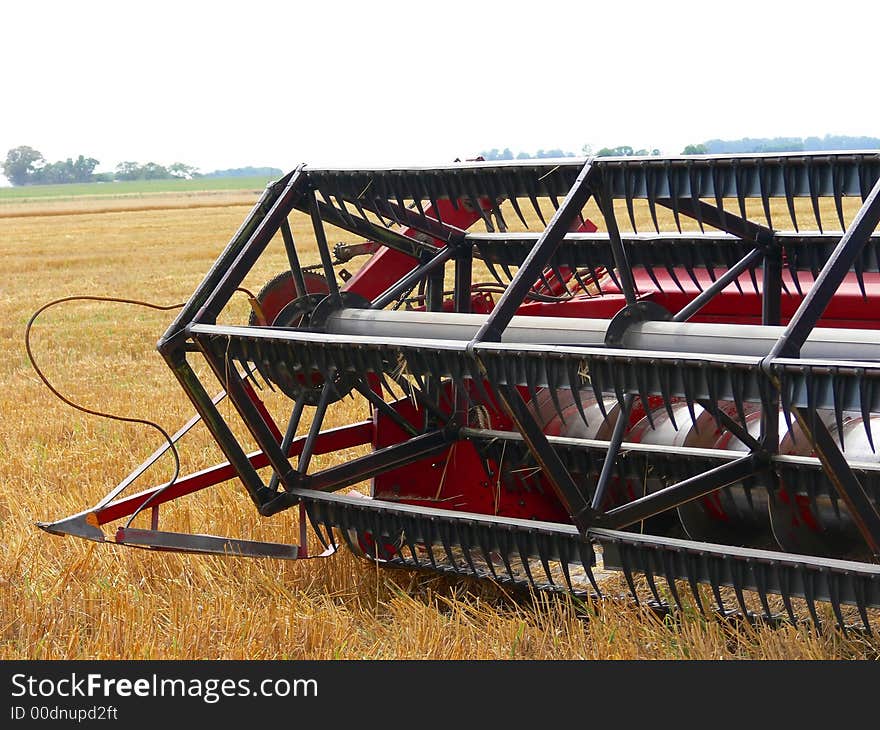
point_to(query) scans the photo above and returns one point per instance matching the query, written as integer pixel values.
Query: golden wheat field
(63, 598)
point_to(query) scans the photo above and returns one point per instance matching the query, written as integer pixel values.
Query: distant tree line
(711, 147)
(246, 172)
(27, 166)
(621, 151)
(782, 144)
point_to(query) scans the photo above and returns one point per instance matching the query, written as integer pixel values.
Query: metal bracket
(632, 314)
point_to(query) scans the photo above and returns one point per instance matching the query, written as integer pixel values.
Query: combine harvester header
(697, 407)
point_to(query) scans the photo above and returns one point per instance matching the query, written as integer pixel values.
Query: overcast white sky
(276, 83)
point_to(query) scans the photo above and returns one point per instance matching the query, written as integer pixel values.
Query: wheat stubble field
(63, 598)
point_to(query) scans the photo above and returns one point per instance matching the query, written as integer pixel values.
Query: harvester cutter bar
(503, 549)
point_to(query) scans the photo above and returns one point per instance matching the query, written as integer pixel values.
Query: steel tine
(788, 183)
(785, 402)
(688, 377)
(739, 174)
(692, 582)
(429, 547)
(545, 563)
(785, 592)
(669, 569)
(516, 209)
(866, 181)
(494, 271)
(509, 189)
(810, 597)
(837, 389)
(566, 572)
(712, 390)
(346, 213)
(859, 268)
(447, 546)
(433, 197)
(593, 273)
(582, 285)
(669, 264)
(812, 386)
(704, 256)
(651, 194)
(557, 272)
(475, 202)
(614, 279)
(716, 586)
(455, 191)
(628, 194)
(738, 386)
(813, 181)
(791, 256)
(687, 255)
(316, 525)
(537, 207)
(359, 208)
(494, 196)
(760, 572)
(837, 183)
(465, 548)
(375, 205)
(574, 385)
(382, 195)
(754, 278)
(507, 272)
(531, 372)
(346, 538)
(545, 282)
(376, 532)
(554, 397)
(665, 378)
(694, 184)
(764, 183)
(834, 598)
(626, 567)
(737, 571)
(407, 538)
(586, 559)
(504, 545)
(522, 550)
(477, 377)
(649, 270)
(596, 382)
(615, 383)
(717, 185)
(673, 194)
(866, 388)
(861, 604)
(649, 576)
(731, 259)
(420, 194)
(485, 548)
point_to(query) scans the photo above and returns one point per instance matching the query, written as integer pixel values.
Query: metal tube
(688, 337)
